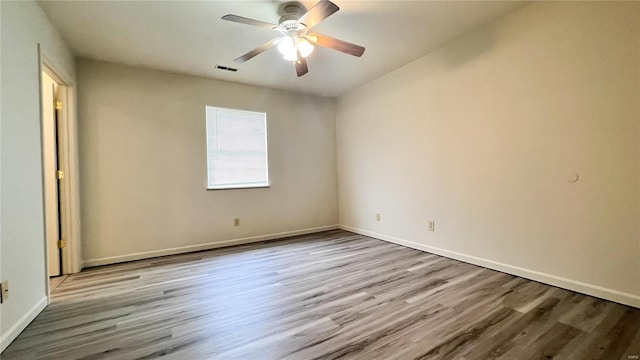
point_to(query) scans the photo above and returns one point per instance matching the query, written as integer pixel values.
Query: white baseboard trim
(200, 247)
(569, 284)
(21, 324)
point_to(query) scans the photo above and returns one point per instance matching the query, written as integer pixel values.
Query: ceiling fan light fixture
(289, 50)
(305, 48)
(291, 57)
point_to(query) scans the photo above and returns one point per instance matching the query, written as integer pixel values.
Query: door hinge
(57, 104)
(60, 174)
(62, 244)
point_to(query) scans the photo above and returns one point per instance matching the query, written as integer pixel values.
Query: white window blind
(236, 148)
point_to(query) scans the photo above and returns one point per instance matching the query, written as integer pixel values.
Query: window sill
(238, 187)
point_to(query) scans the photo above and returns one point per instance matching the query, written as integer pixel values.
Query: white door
(50, 153)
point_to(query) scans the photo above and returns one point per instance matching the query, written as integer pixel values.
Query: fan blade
(336, 44)
(301, 65)
(266, 46)
(244, 20)
(317, 13)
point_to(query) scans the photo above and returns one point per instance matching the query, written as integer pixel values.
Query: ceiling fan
(294, 41)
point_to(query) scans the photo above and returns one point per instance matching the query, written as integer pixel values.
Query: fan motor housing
(291, 12)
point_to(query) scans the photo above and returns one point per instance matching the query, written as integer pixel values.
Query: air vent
(221, 67)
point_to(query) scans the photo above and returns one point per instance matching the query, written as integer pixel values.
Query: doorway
(60, 183)
(53, 173)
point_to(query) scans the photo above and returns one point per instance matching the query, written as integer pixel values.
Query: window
(236, 149)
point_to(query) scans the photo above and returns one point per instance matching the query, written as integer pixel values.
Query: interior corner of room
(514, 146)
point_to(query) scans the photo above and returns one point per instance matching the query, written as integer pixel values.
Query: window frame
(266, 138)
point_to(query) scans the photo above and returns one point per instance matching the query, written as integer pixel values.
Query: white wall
(481, 136)
(143, 164)
(22, 251)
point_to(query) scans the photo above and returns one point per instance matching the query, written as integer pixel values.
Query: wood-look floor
(322, 296)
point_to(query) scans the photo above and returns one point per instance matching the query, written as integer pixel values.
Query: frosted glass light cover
(305, 48)
(287, 48)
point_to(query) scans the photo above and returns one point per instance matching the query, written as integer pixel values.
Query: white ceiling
(189, 37)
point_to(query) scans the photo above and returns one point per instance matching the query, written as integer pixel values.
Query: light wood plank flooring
(323, 296)
(54, 282)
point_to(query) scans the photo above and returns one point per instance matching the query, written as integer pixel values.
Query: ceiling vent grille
(222, 67)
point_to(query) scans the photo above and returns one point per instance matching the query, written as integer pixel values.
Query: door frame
(52, 185)
(69, 193)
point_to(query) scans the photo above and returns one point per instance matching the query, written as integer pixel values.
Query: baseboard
(200, 247)
(569, 284)
(25, 320)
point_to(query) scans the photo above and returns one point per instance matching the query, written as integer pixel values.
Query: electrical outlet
(377, 216)
(432, 225)
(4, 291)
(236, 222)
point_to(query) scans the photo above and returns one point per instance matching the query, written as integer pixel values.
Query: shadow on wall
(467, 48)
(429, 67)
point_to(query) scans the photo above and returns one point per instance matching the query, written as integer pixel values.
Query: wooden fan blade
(301, 65)
(257, 51)
(336, 44)
(317, 13)
(244, 20)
